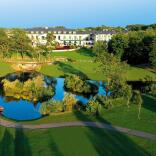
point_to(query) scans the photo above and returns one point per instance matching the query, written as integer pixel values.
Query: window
(80, 37)
(69, 37)
(43, 37)
(59, 37)
(64, 37)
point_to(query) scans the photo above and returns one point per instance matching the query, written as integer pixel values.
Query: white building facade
(68, 37)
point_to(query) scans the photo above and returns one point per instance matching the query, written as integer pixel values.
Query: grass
(73, 141)
(120, 115)
(5, 69)
(84, 141)
(84, 64)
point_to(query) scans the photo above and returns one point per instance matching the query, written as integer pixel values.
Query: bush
(77, 85)
(93, 107)
(51, 106)
(69, 102)
(32, 89)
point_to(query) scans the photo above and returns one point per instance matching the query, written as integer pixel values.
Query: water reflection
(22, 94)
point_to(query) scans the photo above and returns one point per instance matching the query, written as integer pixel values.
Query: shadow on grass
(53, 147)
(86, 52)
(22, 147)
(68, 69)
(149, 102)
(109, 143)
(7, 144)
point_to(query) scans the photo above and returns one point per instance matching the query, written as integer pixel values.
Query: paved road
(79, 123)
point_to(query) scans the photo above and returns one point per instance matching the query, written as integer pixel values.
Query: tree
(120, 88)
(128, 94)
(153, 54)
(137, 99)
(118, 44)
(93, 107)
(99, 47)
(69, 102)
(51, 43)
(45, 50)
(21, 42)
(110, 65)
(4, 43)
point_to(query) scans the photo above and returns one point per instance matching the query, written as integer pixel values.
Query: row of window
(71, 38)
(55, 32)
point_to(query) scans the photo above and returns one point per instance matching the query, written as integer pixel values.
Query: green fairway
(74, 141)
(120, 115)
(84, 141)
(5, 69)
(83, 63)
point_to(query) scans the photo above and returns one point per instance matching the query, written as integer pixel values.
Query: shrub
(32, 89)
(69, 102)
(78, 85)
(51, 106)
(93, 107)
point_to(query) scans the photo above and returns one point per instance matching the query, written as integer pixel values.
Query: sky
(76, 13)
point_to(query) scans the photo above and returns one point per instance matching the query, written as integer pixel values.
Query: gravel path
(79, 123)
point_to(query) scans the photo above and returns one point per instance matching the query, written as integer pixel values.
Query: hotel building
(67, 37)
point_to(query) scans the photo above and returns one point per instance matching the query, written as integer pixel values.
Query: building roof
(38, 30)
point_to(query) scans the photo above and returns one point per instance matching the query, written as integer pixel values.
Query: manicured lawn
(84, 141)
(75, 141)
(120, 115)
(83, 64)
(5, 69)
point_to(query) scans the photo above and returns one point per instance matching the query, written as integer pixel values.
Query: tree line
(15, 42)
(135, 47)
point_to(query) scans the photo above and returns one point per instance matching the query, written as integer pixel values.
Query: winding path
(79, 123)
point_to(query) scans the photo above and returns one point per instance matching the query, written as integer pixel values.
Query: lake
(27, 106)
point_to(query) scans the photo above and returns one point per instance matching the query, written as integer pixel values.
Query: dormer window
(54, 32)
(74, 32)
(32, 32)
(70, 32)
(64, 32)
(49, 32)
(42, 32)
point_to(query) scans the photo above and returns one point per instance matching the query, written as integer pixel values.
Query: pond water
(18, 107)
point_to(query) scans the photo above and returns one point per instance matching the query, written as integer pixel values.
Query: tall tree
(99, 48)
(153, 54)
(118, 44)
(21, 42)
(4, 43)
